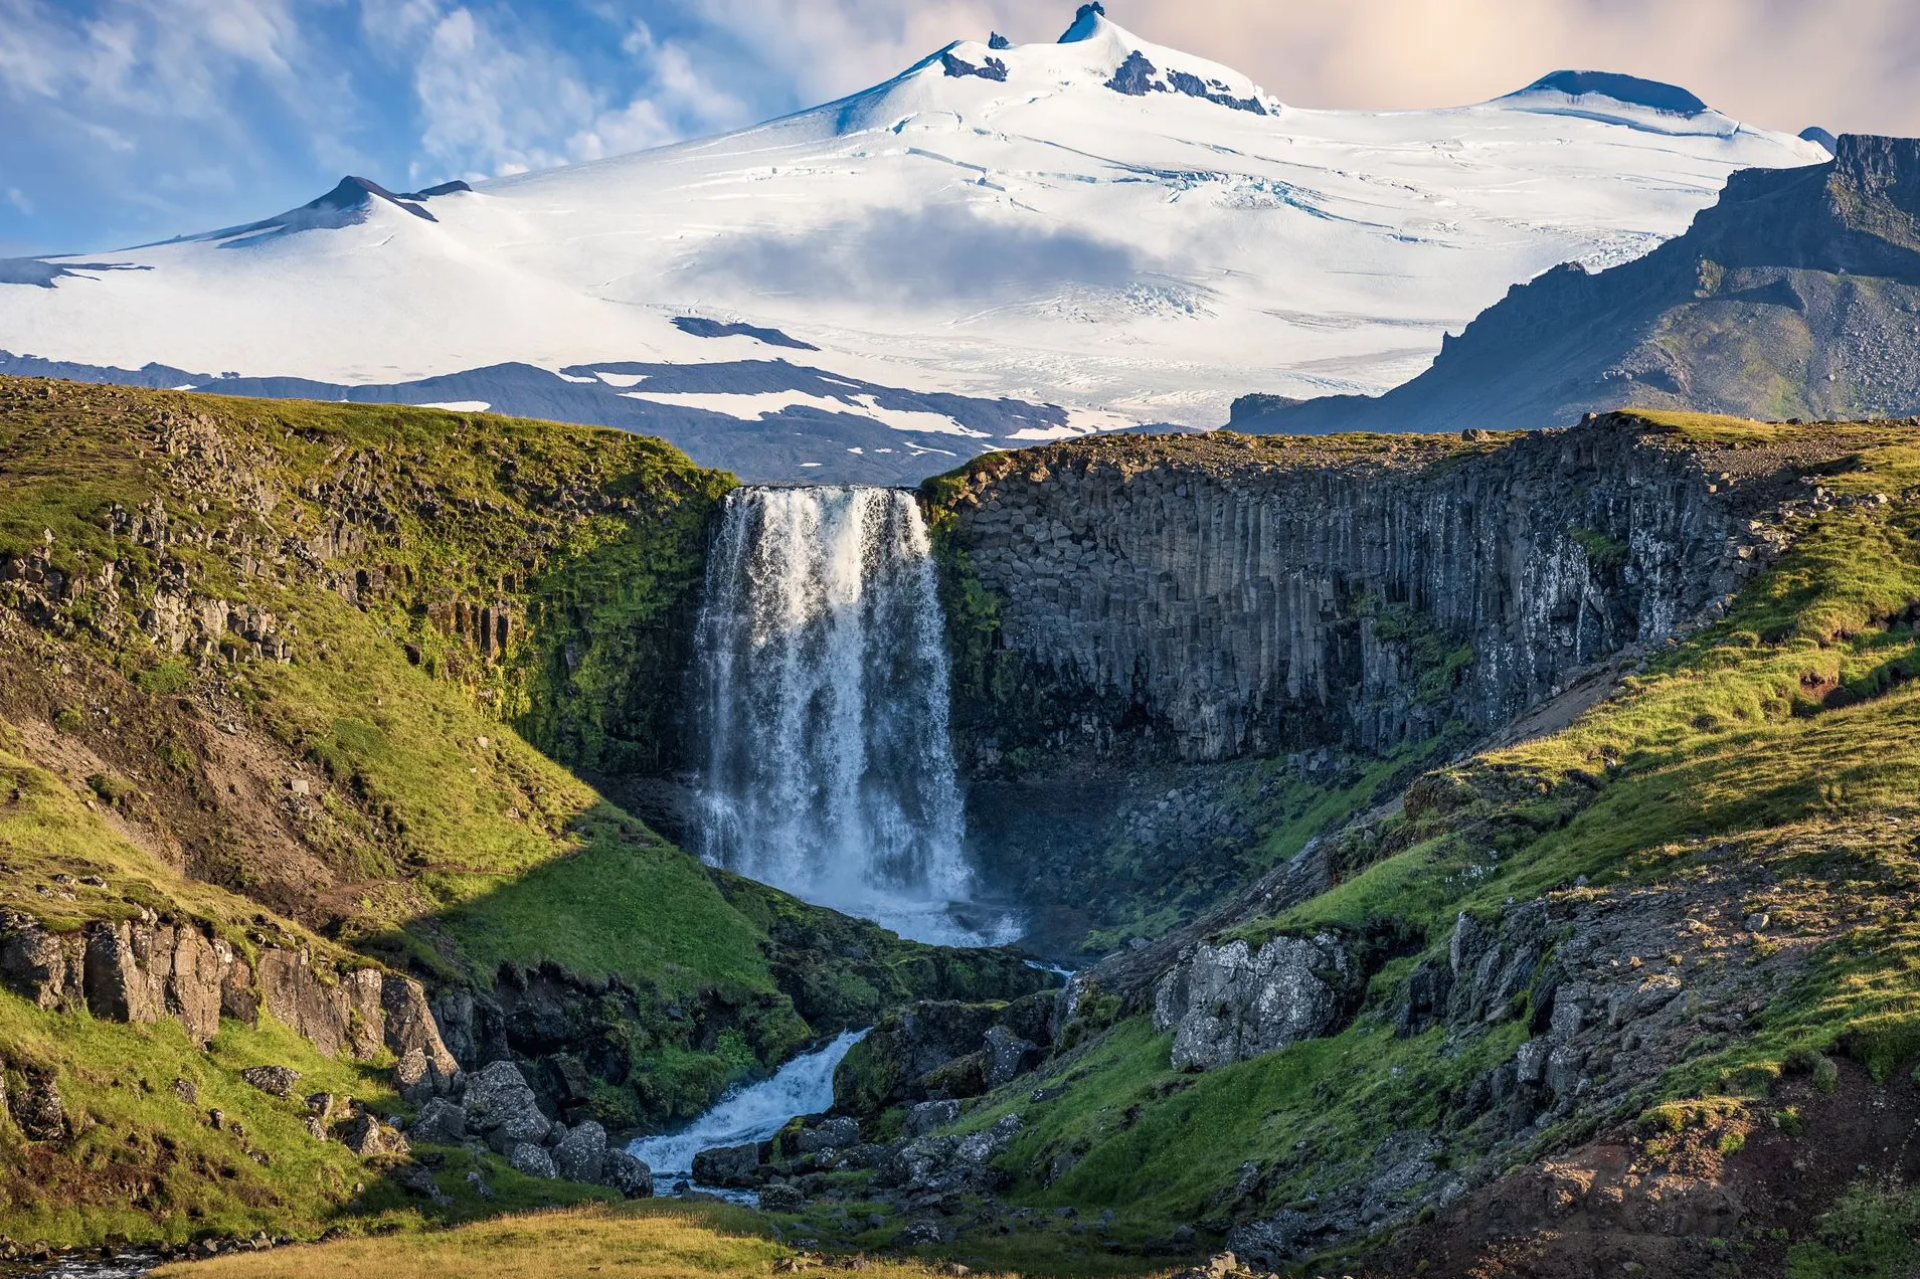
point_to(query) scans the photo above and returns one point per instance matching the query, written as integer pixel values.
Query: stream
(804, 1086)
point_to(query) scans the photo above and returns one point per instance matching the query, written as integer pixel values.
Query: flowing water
(804, 1086)
(824, 696)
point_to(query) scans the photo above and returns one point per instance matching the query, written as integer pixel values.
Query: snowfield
(1086, 235)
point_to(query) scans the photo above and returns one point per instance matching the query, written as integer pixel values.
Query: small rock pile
(495, 1109)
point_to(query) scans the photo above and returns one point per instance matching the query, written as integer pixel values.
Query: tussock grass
(653, 1241)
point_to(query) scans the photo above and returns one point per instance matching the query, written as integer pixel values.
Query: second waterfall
(824, 695)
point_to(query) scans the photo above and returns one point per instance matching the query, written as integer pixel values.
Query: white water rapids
(804, 1086)
(824, 697)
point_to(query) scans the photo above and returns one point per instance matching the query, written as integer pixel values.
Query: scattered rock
(276, 1080)
(367, 1137)
(36, 1106)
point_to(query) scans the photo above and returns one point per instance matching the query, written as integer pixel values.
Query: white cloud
(18, 199)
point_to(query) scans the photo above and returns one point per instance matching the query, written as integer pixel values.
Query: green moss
(1872, 1233)
(1603, 552)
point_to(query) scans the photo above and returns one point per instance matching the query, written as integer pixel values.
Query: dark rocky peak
(348, 204)
(1817, 134)
(1631, 90)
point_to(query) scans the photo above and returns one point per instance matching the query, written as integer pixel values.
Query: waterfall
(824, 686)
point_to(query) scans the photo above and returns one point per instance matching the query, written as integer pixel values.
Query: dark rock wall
(1217, 606)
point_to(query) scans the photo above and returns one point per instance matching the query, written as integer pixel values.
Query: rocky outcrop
(939, 1049)
(1215, 599)
(34, 1103)
(146, 969)
(1229, 1003)
(947, 1164)
(496, 1107)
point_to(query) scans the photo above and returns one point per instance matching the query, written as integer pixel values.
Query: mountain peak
(1668, 99)
(1090, 21)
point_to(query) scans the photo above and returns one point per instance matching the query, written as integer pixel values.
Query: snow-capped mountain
(1002, 244)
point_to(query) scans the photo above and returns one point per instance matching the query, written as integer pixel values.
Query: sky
(127, 121)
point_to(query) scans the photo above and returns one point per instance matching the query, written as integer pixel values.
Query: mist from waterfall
(824, 693)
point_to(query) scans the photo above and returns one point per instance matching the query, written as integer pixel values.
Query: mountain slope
(1100, 224)
(1797, 295)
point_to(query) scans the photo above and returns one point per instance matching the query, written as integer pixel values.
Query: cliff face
(1232, 597)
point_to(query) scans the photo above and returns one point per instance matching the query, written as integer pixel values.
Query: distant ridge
(1797, 295)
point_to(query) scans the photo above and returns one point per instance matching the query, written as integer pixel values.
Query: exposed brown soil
(1613, 1207)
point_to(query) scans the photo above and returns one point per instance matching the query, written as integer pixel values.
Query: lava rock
(278, 1081)
(626, 1174)
(1228, 1003)
(534, 1161)
(440, 1123)
(582, 1154)
(733, 1167)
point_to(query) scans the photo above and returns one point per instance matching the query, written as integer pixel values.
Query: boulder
(533, 1160)
(501, 1106)
(622, 1172)
(732, 1167)
(440, 1123)
(944, 1164)
(929, 1115)
(782, 1199)
(1008, 1056)
(408, 1027)
(1229, 1003)
(582, 1154)
(278, 1081)
(835, 1133)
(366, 1136)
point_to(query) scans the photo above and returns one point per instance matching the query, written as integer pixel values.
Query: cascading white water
(824, 677)
(804, 1086)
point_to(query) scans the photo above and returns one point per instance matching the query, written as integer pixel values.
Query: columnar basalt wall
(1229, 596)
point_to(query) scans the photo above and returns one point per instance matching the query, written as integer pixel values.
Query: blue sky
(123, 121)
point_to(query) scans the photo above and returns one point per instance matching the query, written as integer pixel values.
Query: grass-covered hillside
(337, 677)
